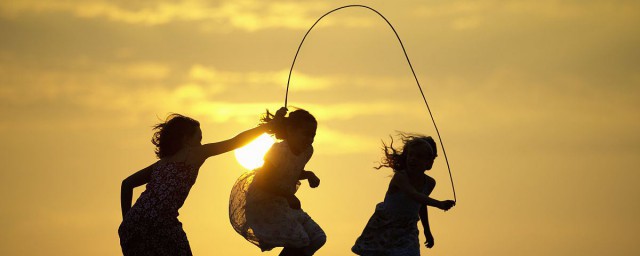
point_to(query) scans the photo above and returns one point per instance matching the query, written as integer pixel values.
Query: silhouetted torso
(399, 202)
(152, 222)
(392, 229)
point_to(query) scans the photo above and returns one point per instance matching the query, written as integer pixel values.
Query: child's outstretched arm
(243, 138)
(424, 219)
(126, 189)
(401, 181)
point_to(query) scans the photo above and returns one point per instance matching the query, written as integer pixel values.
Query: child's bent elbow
(126, 184)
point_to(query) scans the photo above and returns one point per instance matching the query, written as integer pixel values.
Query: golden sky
(537, 103)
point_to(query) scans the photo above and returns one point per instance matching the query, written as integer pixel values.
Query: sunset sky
(538, 103)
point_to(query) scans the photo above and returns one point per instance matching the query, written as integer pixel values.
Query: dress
(151, 226)
(393, 228)
(264, 219)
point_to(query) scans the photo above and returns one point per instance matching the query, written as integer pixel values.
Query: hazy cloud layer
(220, 16)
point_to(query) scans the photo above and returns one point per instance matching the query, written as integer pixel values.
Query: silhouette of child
(151, 225)
(392, 230)
(263, 207)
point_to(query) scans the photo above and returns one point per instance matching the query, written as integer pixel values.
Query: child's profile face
(420, 157)
(301, 137)
(195, 139)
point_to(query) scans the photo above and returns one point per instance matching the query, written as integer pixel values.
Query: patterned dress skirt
(389, 234)
(267, 220)
(154, 237)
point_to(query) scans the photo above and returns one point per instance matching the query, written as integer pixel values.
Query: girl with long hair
(151, 225)
(392, 230)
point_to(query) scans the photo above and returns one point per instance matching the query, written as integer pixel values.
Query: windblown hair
(296, 118)
(170, 134)
(397, 159)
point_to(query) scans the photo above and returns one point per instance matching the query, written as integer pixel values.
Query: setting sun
(251, 155)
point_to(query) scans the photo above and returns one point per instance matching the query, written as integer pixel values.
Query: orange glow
(251, 156)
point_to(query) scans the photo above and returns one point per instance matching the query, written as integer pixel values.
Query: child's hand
(446, 205)
(430, 242)
(294, 202)
(277, 119)
(314, 181)
(280, 113)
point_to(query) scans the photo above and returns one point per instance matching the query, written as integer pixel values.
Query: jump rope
(286, 97)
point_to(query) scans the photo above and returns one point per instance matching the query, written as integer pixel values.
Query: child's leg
(317, 237)
(289, 251)
(285, 252)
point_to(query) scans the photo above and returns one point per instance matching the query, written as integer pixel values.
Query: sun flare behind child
(251, 156)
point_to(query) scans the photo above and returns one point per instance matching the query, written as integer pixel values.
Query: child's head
(418, 153)
(174, 133)
(298, 129)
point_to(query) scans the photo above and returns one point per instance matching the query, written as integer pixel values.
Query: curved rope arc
(408, 61)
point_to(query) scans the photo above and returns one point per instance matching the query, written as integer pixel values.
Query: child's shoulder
(280, 145)
(402, 171)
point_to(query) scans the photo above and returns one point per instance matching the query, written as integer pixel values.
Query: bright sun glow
(251, 156)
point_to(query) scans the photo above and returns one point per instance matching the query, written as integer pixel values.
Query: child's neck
(414, 173)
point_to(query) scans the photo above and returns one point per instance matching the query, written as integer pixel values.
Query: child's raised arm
(401, 181)
(126, 190)
(243, 138)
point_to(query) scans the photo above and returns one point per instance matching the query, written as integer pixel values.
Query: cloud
(463, 15)
(338, 143)
(300, 82)
(221, 112)
(247, 15)
(141, 70)
(303, 82)
(141, 88)
(91, 83)
(124, 92)
(75, 80)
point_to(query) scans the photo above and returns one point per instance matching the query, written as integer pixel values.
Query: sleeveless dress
(265, 219)
(151, 226)
(393, 228)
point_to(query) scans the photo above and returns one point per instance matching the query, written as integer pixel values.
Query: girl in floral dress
(263, 207)
(392, 230)
(151, 225)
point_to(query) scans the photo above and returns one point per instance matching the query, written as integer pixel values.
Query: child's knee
(318, 241)
(324, 239)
